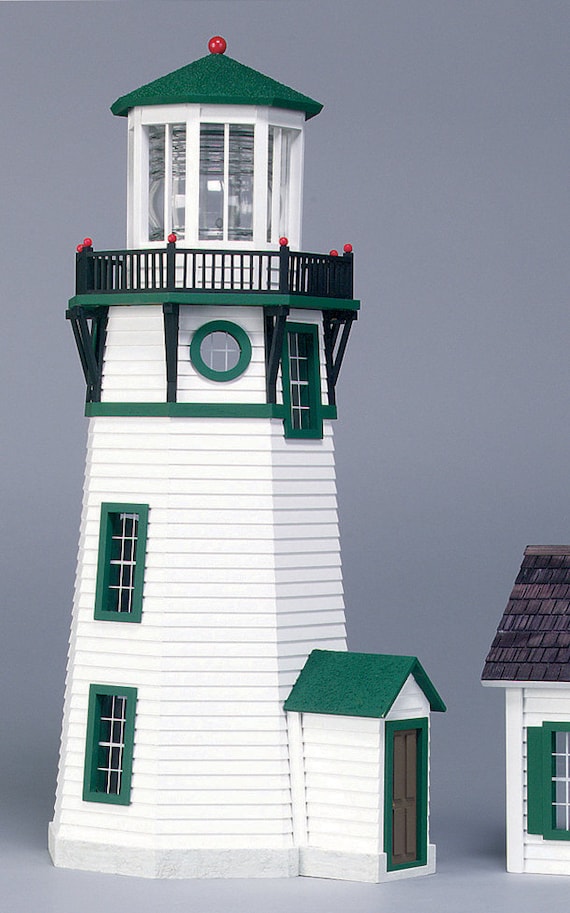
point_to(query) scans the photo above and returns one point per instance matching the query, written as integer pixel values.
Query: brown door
(405, 797)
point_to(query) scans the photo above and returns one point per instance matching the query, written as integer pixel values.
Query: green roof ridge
(216, 79)
(356, 684)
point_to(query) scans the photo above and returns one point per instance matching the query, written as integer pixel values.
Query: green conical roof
(216, 79)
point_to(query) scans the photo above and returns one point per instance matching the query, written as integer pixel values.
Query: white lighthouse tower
(209, 559)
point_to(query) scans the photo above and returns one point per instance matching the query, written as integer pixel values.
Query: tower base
(144, 862)
(119, 859)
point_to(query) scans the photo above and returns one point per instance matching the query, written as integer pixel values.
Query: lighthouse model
(214, 723)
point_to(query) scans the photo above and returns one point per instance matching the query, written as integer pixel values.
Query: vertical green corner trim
(94, 735)
(535, 780)
(105, 610)
(315, 429)
(422, 726)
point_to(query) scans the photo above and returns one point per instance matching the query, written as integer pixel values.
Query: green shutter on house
(535, 780)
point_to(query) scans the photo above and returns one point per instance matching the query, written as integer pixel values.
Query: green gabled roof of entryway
(216, 79)
(356, 684)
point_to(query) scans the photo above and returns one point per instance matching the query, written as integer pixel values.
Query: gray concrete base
(117, 859)
(368, 867)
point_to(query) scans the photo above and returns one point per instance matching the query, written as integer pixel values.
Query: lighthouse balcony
(125, 276)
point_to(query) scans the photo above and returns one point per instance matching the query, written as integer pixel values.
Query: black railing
(173, 269)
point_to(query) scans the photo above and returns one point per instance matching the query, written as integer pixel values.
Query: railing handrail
(173, 268)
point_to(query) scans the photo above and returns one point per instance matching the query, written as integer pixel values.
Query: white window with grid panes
(109, 744)
(123, 561)
(561, 780)
(120, 571)
(299, 381)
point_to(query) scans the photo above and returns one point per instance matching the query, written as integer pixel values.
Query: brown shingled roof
(532, 642)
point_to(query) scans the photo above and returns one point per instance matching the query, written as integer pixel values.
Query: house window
(548, 780)
(166, 180)
(561, 780)
(301, 382)
(120, 571)
(220, 350)
(226, 182)
(109, 744)
(405, 797)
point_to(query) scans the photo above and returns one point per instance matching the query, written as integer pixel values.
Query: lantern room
(215, 156)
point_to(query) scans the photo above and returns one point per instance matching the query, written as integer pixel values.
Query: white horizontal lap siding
(411, 702)
(542, 705)
(209, 724)
(308, 573)
(342, 758)
(134, 363)
(249, 387)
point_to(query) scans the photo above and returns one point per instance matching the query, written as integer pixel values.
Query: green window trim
(233, 330)
(109, 744)
(392, 726)
(305, 337)
(541, 786)
(120, 579)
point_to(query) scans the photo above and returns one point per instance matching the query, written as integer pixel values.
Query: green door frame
(393, 726)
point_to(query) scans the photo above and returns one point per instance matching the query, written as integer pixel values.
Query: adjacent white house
(530, 659)
(209, 559)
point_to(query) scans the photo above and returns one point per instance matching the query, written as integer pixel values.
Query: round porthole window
(220, 350)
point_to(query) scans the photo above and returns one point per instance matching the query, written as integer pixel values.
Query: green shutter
(535, 780)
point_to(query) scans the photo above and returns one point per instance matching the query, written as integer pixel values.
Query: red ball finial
(217, 45)
(283, 241)
(347, 248)
(79, 248)
(87, 242)
(171, 238)
(333, 253)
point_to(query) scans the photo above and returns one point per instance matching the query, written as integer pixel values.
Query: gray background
(442, 155)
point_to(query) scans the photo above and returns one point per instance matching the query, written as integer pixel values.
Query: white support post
(515, 779)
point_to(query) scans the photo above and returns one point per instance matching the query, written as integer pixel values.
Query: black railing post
(284, 269)
(171, 265)
(84, 270)
(348, 284)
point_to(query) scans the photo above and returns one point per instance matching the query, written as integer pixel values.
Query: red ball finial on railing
(87, 242)
(79, 248)
(333, 253)
(347, 248)
(283, 242)
(172, 238)
(217, 45)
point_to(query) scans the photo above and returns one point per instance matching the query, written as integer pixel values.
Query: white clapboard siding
(249, 387)
(527, 706)
(242, 580)
(343, 762)
(134, 367)
(411, 702)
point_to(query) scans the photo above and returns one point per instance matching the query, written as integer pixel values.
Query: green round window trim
(220, 326)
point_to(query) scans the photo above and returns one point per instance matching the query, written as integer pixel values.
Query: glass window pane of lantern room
(166, 180)
(285, 181)
(156, 173)
(178, 189)
(211, 215)
(240, 179)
